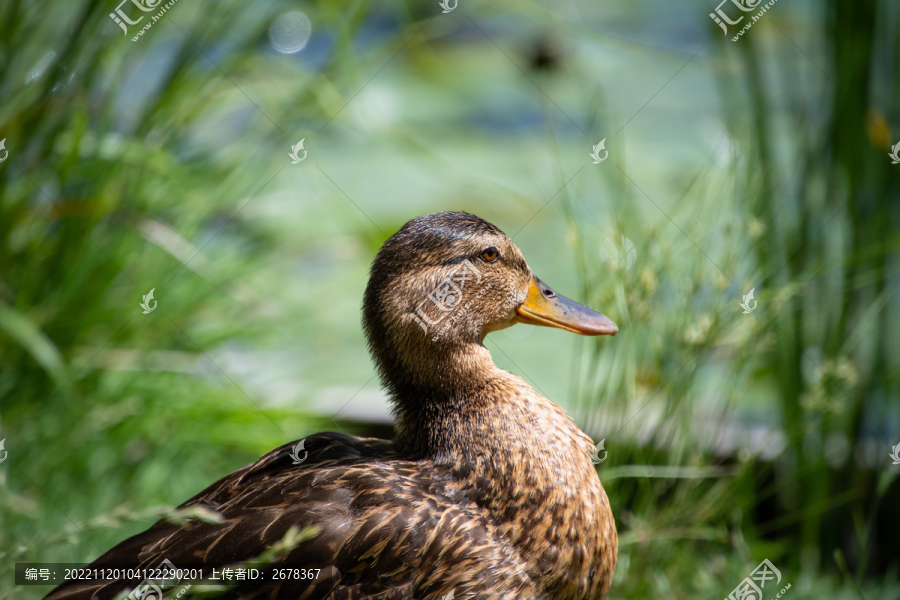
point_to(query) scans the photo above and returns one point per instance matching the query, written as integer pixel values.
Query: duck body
(487, 490)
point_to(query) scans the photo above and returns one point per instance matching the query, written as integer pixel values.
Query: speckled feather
(487, 491)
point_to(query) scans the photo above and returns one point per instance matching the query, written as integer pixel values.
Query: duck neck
(453, 405)
(435, 390)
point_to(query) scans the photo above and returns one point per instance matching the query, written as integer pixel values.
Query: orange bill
(545, 307)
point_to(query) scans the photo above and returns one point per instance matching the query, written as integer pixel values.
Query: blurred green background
(163, 164)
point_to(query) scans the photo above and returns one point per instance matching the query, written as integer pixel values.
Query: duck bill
(545, 307)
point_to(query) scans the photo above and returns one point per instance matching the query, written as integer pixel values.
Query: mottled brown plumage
(487, 491)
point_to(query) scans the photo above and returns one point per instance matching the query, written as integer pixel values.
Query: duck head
(437, 287)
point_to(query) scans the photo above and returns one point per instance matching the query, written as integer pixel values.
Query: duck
(487, 489)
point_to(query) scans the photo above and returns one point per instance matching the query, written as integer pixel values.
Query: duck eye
(490, 254)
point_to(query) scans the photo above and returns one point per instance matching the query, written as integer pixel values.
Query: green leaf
(20, 328)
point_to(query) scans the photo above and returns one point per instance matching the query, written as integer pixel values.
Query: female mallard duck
(487, 491)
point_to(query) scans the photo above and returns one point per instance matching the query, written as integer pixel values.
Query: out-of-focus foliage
(163, 164)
